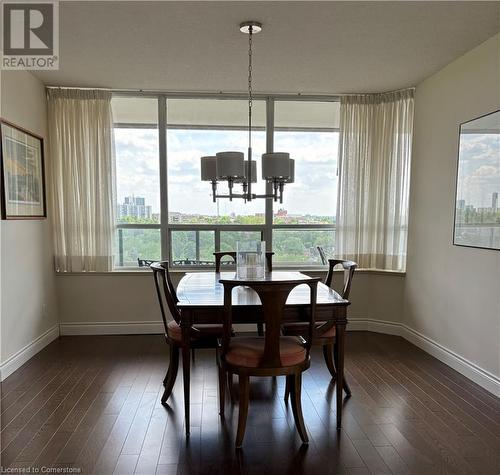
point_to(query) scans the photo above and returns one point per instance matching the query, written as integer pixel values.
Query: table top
(203, 289)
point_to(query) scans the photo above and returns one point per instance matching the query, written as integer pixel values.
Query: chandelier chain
(231, 166)
(250, 91)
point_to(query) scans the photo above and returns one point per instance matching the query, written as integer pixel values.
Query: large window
(306, 218)
(138, 210)
(163, 209)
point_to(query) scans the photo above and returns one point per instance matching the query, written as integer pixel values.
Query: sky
(479, 168)
(137, 169)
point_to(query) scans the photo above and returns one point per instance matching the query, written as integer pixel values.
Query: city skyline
(137, 207)
(479, 169)
(462, 204)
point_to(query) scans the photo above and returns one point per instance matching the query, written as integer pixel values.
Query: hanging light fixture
(277, 168)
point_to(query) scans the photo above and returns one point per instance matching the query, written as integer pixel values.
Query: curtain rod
(392, 91)
(80, 88)
(226, 93)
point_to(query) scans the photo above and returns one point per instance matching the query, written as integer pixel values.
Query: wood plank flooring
(92, 405)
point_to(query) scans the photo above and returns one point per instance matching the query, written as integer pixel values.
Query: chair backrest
(273, 296)
(144, 262)
(165, 291)
(220, 255)
(349, 268)
(232, 254)
(322, 254)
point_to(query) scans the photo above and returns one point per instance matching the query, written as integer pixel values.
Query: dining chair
(144, 262)
(324, 334)
(268, 355)
(322, 255)
(232, 254)
(202, 336)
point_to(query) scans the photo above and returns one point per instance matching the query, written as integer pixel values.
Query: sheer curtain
(374, 171)
(82, 156)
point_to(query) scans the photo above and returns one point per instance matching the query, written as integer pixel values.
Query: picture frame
(477, 203)
(22, 173)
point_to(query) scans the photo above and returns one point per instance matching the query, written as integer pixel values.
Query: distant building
(134, 207)
(175, 217)
(281, 213)
(494, 201)
(461, 204)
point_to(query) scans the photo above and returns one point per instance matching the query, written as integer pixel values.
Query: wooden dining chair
(325, 331)
(202, 336)
(268, 355)
(232, 254)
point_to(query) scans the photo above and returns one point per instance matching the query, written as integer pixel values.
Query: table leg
(186, 369)
(339, 348)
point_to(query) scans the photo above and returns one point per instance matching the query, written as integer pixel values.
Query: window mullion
(197, 237)
(268, 231)
(162, 144)
(217, 239)
(120, 247)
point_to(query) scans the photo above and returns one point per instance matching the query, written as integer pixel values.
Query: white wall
(28, 302)
(452, 294)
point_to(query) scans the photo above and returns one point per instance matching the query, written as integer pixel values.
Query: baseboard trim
(480, 376)
(485, 379)
(376, 326)
(111, 328)
(31, 349)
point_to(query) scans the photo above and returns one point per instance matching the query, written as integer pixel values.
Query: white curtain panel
(82, 156)
(374, 172)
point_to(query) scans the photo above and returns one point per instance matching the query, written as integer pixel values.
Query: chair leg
(171, 373)
(222, 390)
(243, 409)
(328, 355)
(345, 384)
(288, 386)
(260, 329)
(230, 385)
(297, 407)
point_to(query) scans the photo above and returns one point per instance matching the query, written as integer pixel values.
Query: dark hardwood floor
(93, 404)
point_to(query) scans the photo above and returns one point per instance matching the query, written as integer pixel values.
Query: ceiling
(308, 47)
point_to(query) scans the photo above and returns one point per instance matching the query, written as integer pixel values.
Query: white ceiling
(309, 47)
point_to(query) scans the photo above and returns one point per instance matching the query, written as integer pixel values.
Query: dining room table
(201, 301)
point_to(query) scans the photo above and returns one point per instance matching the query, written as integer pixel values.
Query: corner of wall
(28, 304)
(451, 302)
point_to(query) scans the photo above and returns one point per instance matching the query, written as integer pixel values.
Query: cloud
(138, 169)
(479, 168)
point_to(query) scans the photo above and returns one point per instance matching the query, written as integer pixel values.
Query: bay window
(164, 210)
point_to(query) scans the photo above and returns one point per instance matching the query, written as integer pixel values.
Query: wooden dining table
(201, 301)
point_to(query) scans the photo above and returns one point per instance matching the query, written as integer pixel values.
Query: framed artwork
(22, 173)
(477, 205)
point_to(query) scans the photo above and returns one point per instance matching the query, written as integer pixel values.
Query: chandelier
(277, 168)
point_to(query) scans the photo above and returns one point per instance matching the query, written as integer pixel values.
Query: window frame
(267, 227)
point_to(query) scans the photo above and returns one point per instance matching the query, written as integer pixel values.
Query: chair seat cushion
(204, 331)
(249, 351)
(303, 328)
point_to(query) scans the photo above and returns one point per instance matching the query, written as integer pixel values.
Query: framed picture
(22, 173)
(477, 206)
